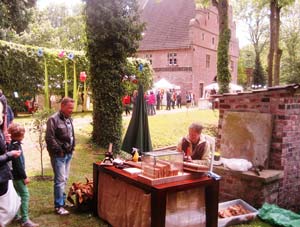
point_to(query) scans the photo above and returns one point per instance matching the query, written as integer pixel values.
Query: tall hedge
(22, 71)
(113, 32)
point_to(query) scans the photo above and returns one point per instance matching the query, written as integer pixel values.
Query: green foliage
(144, 77)
(47, 29)
(113, 32)
(22, 70)
(37, 132)
(258, 73)
(14, 15)
(242, 76)
(290, 67)
(223, 72)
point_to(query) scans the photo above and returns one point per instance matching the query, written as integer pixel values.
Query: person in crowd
(20, 178)
(151, 101)
(169, 95)
(133, 99)
(158, 100)
(178, 100)
(188, 99)
(193, 145)
(173, 99)
(60, 140)
(193, 102)
(3, 110)
(10, 116)
(126, 104)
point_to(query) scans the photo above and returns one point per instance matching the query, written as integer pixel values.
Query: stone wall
(284, 105)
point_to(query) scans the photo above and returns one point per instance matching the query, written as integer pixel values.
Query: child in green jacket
(20, 178)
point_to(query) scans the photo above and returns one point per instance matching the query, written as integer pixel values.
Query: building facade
(181, 41)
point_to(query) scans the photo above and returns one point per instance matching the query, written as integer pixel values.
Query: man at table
(194, 145)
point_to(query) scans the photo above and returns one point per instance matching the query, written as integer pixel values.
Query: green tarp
(138, 134)
(275, 215)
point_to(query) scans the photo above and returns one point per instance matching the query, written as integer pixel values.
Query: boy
(20, 178)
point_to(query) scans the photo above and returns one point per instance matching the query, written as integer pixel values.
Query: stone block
(247, 135)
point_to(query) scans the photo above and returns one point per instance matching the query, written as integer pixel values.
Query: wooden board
(151, 181)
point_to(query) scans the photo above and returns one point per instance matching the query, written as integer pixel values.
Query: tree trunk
(277, 50)
(223, 73)
(271, 50)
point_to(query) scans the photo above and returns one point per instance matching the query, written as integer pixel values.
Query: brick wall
(284, 105)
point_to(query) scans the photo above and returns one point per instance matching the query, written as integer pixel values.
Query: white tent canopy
(214, 86)
(164, 84)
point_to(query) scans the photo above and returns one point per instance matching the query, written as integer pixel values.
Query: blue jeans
(61, 169)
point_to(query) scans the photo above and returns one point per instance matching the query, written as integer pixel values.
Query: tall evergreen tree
(113, 32)
(258, 73)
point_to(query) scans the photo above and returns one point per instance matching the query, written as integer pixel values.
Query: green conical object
(138, 133)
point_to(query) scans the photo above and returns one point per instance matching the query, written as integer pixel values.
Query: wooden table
(159, 193)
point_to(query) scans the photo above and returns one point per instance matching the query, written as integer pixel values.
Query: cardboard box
(222, 222)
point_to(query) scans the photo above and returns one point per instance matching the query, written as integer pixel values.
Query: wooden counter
(158, 193)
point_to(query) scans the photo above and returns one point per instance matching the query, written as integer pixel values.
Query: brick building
(181, 43)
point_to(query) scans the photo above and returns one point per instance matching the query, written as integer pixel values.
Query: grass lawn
(165, 130)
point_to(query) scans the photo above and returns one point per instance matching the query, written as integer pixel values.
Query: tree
(274, 51)
(254, 16)
(56, 27)
(290, 67)
(113, 32)
(223, 73)
(14, 15)
(259, 79)
(37, 131)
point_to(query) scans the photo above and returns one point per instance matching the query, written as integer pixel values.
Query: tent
(164, 84)
(234, 88)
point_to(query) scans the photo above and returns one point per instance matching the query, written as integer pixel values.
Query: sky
(44, 3)
(241, 33)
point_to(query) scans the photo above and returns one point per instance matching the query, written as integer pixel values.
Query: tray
(222, 222)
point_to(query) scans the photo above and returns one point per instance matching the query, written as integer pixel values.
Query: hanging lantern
(82, 77)
(40, 52)
(61, 54)
(71, 56)
(141, 66)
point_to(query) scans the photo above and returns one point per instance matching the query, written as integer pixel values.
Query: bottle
(135, 156)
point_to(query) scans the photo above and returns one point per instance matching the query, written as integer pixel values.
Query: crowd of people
(60, 140)
(162, 99)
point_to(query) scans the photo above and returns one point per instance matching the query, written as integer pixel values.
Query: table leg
(158, 208)
(95, 194)
(211, 203)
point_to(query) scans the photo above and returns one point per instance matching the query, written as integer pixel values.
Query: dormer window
(149, 58)
(172, 58)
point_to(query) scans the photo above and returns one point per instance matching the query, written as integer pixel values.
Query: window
(207, 61)
(208, 15)
(172, 58)
(149, 58)
(203, 36)
(213, 40)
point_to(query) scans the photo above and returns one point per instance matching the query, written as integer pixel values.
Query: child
(20, 179)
